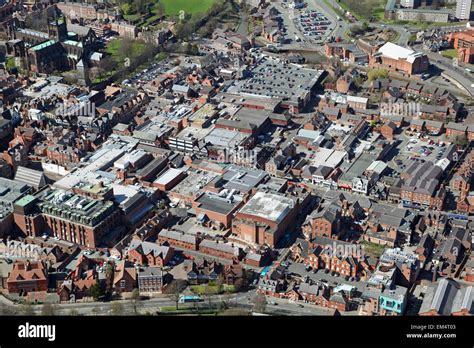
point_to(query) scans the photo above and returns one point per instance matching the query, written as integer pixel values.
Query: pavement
(148, 305)
(153, 305)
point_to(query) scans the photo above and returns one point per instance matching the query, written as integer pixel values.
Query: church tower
(57, 29)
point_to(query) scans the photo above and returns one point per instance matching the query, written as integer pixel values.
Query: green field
(10, 63)
(364, 9)
(114, 49)
(190, 7)
(211, 289)
(451, 53)
(372, 249)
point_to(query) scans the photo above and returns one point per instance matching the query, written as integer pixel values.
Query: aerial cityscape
(236, 158)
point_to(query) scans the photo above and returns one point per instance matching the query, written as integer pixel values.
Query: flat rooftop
(225, 138)
(168, 176)
(193, 183)
(268, 206)
(242, 179)
(273, 79)
(213, 202)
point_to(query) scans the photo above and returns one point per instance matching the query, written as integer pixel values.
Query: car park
(313, 24)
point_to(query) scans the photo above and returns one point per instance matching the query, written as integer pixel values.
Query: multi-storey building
(323, 222)
(463, 9)
(66, 216)
(150, 279)
(399, 59)
(264, 218)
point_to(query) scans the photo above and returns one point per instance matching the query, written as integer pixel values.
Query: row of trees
(357, 30)
(207, 23)
(125, 61)
(117, 308)
(28, 309)
(136, 6)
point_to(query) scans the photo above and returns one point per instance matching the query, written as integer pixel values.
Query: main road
(463, 77)
(153, 305)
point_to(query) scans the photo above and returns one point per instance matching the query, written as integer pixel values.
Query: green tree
(160, 9)
(106, 64)
(208, 293)
(126, 48)
(240, 284)
(135, 300)
(174, 290)
(96, 291)
(142, 6)
(161, 56)
(128, 9)
(461, 140)
(377, 73)
(358, 81)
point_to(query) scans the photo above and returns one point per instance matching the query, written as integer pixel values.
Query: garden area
(145, 13)
(364, 9)
(190, 7)
(211, 289)
(120, 49)
(451, 53)
(372, 249)
(123, 55)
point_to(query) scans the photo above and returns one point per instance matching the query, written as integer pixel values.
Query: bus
(265, 271)
(190, 299)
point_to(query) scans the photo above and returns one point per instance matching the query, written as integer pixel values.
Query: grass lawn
(372, 249)
(10, 63)
(338, 11)
(213, 289)
(172, 309)
(133, 17)
(451, 53)
(379, 13)
(113, 48)
(363, 9)
(173, 7)
(235, 312)
(161, 56)
(189, 309)
(150, 20)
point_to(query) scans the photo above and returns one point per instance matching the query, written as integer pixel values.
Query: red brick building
(454, 129)
(315, 294)
(220, 249)
(147, 253)
(178, 239)
(125, 278)
(324, 222)
(264, 218)
(27, 277)
(464, 43)
(388, 130)
(66, 216)
(399, 59)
